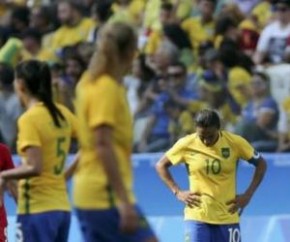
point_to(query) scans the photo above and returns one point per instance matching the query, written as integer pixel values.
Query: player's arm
(241, 201)
(69, 172)
(260, 170)
(32, 166)
(191, 199)
(103, 136)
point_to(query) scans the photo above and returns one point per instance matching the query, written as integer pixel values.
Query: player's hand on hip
(191, 199)
(239, 203)
(129, 218)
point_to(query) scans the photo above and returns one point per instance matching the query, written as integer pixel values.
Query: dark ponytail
(37, 78)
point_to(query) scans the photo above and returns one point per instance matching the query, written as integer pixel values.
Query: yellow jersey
(68, 36)
(238, 77)
(212, 172)
(48, 191)
(98, 102)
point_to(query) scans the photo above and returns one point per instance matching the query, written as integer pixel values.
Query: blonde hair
(116, 46)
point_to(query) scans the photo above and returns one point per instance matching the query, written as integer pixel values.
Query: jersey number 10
(213, 166)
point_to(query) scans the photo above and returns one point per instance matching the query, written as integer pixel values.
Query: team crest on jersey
(226, 152)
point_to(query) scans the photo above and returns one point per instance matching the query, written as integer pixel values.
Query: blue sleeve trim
(255, 159)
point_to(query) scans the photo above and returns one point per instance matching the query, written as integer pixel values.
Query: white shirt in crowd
(273, 41)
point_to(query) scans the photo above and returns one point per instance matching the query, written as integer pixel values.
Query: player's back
(101, 102)
(47, 191)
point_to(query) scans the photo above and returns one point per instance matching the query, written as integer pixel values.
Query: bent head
(208, 126)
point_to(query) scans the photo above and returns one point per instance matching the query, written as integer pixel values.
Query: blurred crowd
(229, 55)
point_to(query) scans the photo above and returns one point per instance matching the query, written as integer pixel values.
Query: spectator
(19, 20)
(260, 116)
(128, 11)
(273, 40)
(73, 69)
(74, 27)
(284, 127)
(156, 136)
(156, 36)
(41, 19)
(213, 94)
(101, 12)
(32, 45)
(262, 12)
(181, 120)
(177, 36)
(137, 82)
(201, 28)
(10, 107)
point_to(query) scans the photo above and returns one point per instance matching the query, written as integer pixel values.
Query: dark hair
(37, 78)
(177, 36)
(207, 118)
(32, 33)
(6, 75)
(224, 24)
(103, 9)
(22, 14)
(167, 6)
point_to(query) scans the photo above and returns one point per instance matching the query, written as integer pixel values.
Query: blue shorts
(43, 227)
(203, 232)
(103, 226)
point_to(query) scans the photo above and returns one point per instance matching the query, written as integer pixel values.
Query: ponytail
(37, 78)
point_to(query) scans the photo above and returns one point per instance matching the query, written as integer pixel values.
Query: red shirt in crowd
(5, 164)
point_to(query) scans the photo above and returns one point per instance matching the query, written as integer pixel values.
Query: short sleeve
(28, 134)
(7, 159)
(102, 103)
(244, 149)
(175, 154)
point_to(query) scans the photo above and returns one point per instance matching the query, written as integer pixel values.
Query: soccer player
(211, 156)
(103, 192)
(6, 163)
(45, 131)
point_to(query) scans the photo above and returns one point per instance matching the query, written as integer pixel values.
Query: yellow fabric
(10, 53)
(286, 109)
(198, 32)
(151, 15)
(238, 76)
(152, 9)
(67, 36)
(91, 185)
(154, 42)
(43, 55)
(212, 172)
(248, 24)
(47, 192)
(263, 13)
(184, 125)
(132, 13)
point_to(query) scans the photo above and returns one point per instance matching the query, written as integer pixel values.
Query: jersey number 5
(61, 155)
